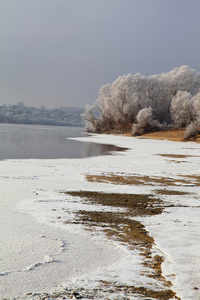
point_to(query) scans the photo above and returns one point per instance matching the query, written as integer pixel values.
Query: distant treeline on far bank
(22, 114)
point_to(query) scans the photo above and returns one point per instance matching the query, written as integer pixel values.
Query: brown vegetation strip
(175, 135)
(144, 180)
(177, 155)
(194, 177)
(106, 287)
(164, 295)
(139, 204)
(117, 226)
(171, 192)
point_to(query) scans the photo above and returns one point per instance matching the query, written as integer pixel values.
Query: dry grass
(117, 226)
(171, 192)
(138, 204)
(144, 180)
(175, 135)
(177, 155)
(106, 287)
(150, 294)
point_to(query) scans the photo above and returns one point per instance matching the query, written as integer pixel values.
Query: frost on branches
(142, 104)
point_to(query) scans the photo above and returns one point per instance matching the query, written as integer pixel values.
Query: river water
(46, 142)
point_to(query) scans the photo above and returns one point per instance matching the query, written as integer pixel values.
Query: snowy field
(44, 250)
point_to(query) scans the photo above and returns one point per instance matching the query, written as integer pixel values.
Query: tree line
(143, 104)
(22, 114)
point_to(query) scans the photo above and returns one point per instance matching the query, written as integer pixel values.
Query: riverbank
(123, 225)
(174, 135)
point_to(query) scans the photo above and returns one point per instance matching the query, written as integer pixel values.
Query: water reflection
(93, 149)
(46, 142)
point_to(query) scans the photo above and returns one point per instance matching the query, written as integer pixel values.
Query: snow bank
(41, 250)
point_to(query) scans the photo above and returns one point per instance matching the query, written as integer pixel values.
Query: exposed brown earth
(135, 179)
(171, 192)
(176, 135)
(177, 155)
(139, 204)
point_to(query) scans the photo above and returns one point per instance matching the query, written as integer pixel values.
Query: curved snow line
(47, 259)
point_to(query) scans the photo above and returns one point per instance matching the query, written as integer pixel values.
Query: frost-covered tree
(196, 104)
(145, 103)
(182, 109)
(194, 127)
(146, 122)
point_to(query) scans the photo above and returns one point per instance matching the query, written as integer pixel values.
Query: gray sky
(60, 52)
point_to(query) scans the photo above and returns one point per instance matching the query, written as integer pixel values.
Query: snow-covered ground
(42, 251)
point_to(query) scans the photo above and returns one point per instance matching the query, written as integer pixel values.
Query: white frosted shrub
(192, 129)
(145, 116)
(146, 102)
(196, 104)
(145, 122)
(182, 79)
(91, 119)
(182, 109)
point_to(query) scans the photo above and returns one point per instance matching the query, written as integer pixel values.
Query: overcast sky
(60, 52)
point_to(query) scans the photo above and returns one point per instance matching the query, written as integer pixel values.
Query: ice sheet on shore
(38, 256)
